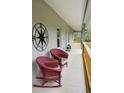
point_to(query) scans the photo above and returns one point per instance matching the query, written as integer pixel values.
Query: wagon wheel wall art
(40, 37)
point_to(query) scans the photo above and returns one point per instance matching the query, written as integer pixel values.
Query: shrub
(88, 36)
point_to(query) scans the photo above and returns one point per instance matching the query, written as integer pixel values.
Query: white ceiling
(71, 11)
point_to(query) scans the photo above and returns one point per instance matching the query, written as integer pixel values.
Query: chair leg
(49, 86)
(60, 82)
(45, 81)
(61, 66)
(39, 77)
(41, 85)
(66, 64)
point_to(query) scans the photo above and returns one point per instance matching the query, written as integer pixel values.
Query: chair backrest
(40, 61)
(44, 64)
(58, 53)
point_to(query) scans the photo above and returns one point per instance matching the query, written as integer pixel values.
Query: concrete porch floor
(73, 80)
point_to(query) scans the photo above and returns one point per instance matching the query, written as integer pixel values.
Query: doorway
(58, 37)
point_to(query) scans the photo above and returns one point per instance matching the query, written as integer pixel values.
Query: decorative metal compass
(40, 37)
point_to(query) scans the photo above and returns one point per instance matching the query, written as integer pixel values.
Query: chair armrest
(52, 64)
(51, 69)
(56, 56)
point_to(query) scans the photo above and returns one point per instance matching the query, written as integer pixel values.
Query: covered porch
(73, 79)
(62, 19)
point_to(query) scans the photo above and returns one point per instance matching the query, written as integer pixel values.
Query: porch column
(83, 33)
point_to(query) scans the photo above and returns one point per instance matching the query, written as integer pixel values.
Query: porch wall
(41, 12)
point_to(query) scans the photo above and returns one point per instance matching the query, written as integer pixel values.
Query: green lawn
(89, 44)
(77, 40)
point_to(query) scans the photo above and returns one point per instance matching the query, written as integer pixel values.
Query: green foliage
(77, 40)
(88, 36)
(77, 37)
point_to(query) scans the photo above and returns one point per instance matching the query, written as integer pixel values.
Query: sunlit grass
(77, 40)
(89, 44)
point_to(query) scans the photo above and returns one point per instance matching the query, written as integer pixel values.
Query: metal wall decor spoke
(40, 37)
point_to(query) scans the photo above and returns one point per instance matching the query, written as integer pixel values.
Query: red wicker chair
(59, 55)
(51, 71)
